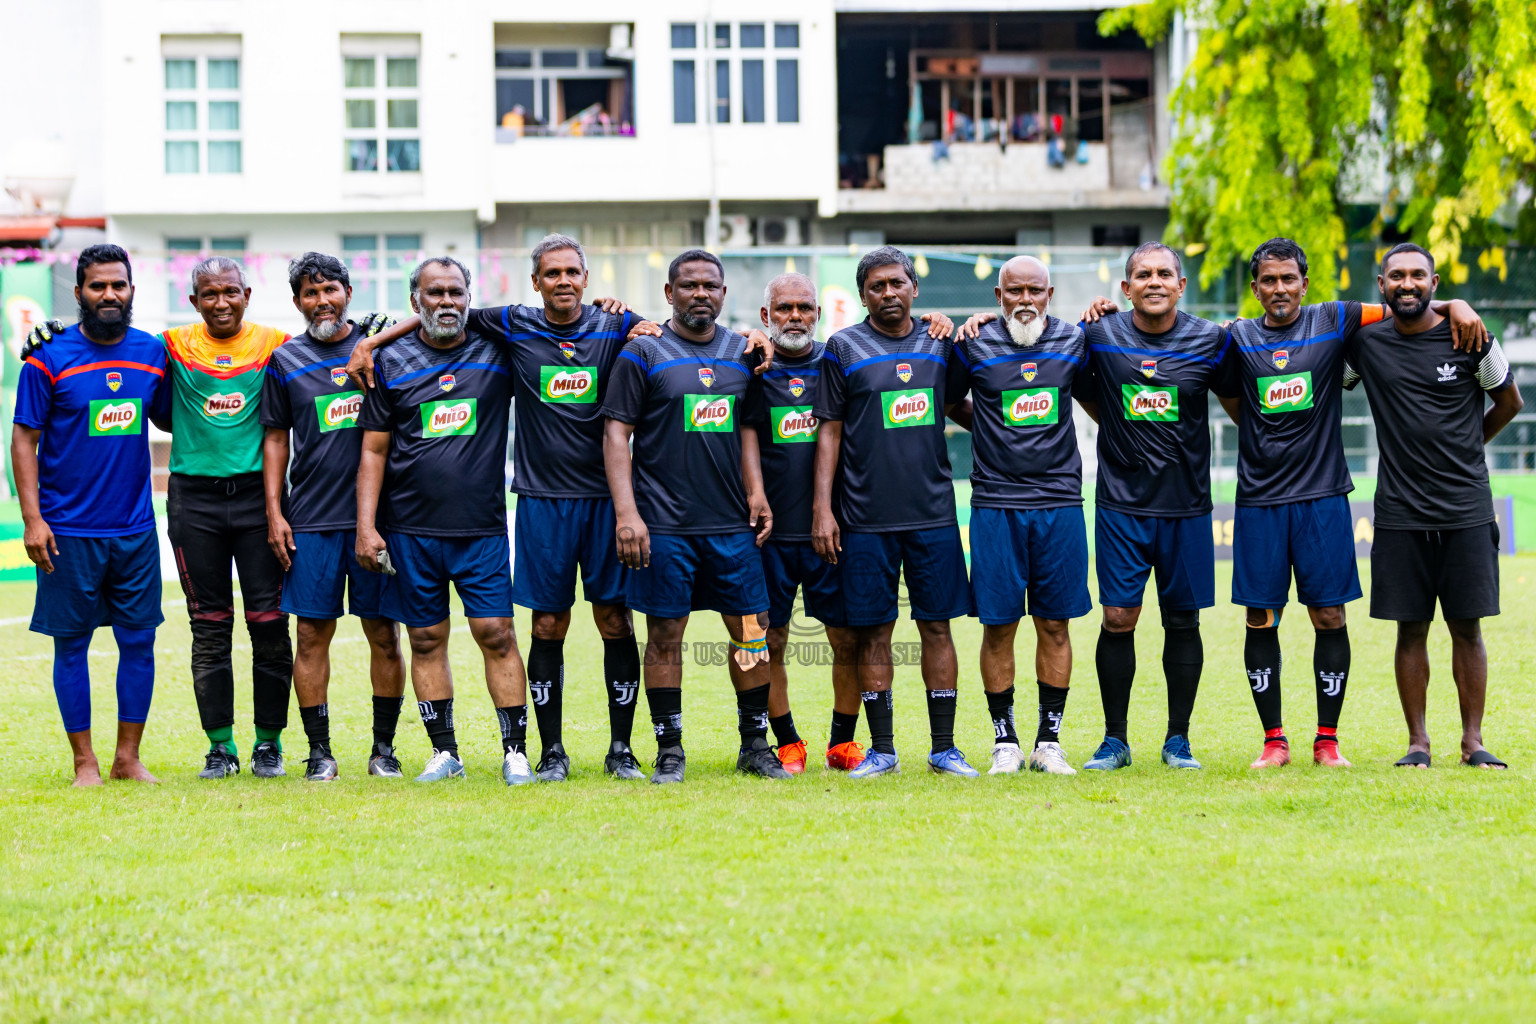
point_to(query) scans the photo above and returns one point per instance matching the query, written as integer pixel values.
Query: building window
(381, 260)
(786, 35)
(381, 110)
(722, 92)
(562, 92)
(183, 253)
(753, 82)
(723, 36)
(753, 36)
(202, 113)
(684, 101)
(684, 37)
(787, 79)
(752, 99)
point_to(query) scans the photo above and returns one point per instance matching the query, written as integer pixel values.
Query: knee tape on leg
(753, 647)
(1180, 619)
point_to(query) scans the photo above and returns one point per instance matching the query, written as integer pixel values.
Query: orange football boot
(845, 757)
(1276, 753)
(792, 757)
(1325, 754)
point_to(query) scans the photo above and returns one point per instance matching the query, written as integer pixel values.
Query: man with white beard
(1029, 547)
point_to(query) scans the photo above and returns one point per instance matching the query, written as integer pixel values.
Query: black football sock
(317, 725)
(513, 720)
(1330, 661)
(437, 717)
(1183, 660)
(666, 715)
(880, 716)
(621, 671)
(386, 719)
(752, 714)
(1115, 660)
(941, 718)
(843, 727)
(1000, 707)
(784, 729)
(546, 686)
(1053, 708)
(1261, 657)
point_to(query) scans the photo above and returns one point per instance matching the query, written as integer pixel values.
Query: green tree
(1290, 106)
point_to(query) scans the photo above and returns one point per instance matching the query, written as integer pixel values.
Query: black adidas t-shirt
(685, 400)
(890, 395)
(1290, 447)
(559, 377)
(306, 392)
(780, 408)
(1428, 403)
(446, 411)
(1154, 422)
(1023, 440)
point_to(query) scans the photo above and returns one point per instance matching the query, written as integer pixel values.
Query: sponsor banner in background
(26, 299)
(1363, 514)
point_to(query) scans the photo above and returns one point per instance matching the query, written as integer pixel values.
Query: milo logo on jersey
(337, 412)
(113, 419)
(1285, 393)
(908, 408)
(1030, 408)
(793, 423)
(568, 384)
(1150, 402)
(709, 414)
(447, 419)
(223, 405)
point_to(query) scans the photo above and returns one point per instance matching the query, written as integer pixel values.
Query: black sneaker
(554, 766)
(320, 766)
(384, 763)
(670, 762)
(759, 759)
(267, 760)
(621, 762)
(220, 763)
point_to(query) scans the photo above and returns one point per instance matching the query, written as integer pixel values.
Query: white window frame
(710, 55)
(378, 274)
(380, 49)
(200, 50)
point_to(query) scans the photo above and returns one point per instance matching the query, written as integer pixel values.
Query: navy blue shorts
(100, 581)
(1316, 539)
(1038, 553)
(718, 572)
(480, 569)
(1182, 553)
(791, 565)
(324, 566)
(551, 536)
(933, 562)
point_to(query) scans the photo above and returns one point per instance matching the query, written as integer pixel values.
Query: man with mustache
(81, 457)
(1148, 374)
(886, 387)
(1292, 482)
(1435, 534)
(1029, 547)
(687, 506)
(434, 441)
(306, 393)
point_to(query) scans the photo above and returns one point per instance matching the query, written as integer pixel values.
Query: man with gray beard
(1029, 546)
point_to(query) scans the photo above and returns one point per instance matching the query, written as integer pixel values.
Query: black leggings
(214, 521)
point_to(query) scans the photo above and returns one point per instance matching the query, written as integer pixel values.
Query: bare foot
(1480, 757)
(87, 773)
(133, 770)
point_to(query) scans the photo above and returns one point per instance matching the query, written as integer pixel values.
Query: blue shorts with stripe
(480, 569)
(718, 572)
(551, 538)
(793, 565)
(1180, 552)
(325, 567)
(1029, 561)
(1315, 540)
(99, 581)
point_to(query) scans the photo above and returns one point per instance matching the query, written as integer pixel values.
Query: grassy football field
(1374, 894)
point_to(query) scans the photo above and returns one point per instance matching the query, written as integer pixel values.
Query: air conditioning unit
(735, 231)
(778, 231)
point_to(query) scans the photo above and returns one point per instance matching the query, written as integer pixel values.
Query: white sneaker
(441, 765)
(515, 770)
(1006, 758)
(1048, 758)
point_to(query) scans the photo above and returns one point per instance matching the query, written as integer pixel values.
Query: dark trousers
(214, 522)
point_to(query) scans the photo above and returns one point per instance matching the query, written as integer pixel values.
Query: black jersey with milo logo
(1154, 423)
(780, 408)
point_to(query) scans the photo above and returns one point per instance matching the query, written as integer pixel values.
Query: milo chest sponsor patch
(912, 408)
(713, 414)
(113, 419)
(1031, 408)
(339, 411)
(1285, 393)
(230, 405)
(793, 423)
(1150, 402)
(568, 384)
(447, 419)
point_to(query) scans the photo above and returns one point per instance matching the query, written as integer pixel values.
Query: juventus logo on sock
(674, 723)
(323, 711)
(1333, 683)
(540, 692)
(427, 714)
(624, 693)
(1259, 679)
(1053, 720)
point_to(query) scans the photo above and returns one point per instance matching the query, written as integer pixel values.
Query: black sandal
(1484, 759)
(1413, 759)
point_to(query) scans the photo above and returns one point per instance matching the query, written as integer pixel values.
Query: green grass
(1301, 895)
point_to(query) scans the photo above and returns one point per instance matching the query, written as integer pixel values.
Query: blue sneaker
(441, 765)
(876, 762)
(1111, 755)
(1176, 753)
(951, 762)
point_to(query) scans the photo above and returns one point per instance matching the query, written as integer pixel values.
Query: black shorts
(1410, 569)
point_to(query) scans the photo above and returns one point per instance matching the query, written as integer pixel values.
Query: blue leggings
(135, 676)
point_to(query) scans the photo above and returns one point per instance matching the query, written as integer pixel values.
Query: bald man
(1029, 546)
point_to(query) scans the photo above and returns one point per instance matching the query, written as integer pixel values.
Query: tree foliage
(1291, 108)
